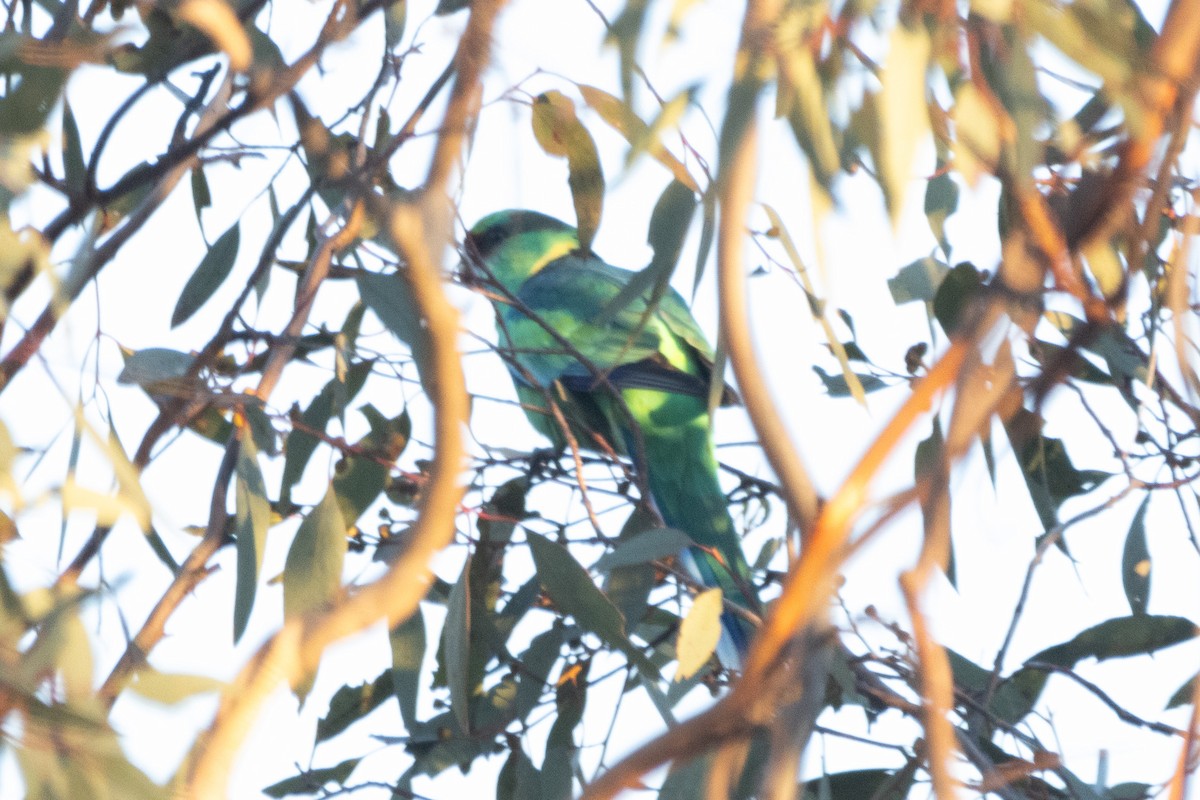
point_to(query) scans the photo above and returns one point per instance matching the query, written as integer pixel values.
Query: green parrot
(659, 361)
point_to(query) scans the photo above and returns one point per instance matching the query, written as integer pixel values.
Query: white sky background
(994, 531)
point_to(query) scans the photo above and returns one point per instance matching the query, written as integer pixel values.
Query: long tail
(682, 475)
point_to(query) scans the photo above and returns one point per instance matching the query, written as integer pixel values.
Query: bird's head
(513, 245)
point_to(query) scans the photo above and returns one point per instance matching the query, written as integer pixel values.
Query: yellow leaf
(904, 111)
(560, 133)
(553, 118)
(699, 633)
(621, 118)
(977, 134)
(216, 20)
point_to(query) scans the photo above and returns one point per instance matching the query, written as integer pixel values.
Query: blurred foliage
(1045, 102)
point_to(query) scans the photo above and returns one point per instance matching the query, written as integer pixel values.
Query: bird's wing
(663, 349)
(634, 348)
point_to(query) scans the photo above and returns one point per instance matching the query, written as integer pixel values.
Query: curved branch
(294, 652)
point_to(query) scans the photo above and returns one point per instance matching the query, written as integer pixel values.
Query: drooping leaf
(518, 778)
(537, 667)
(214, 268)
(456, 648)
(1184, 694)
(74, 168)
(626, 33)
(560, 133)
(1136, 563)
(349, 704)
(201, 195)
(253, 517)
(395, 19)
(1121, 637)
(624, 121)
(1049, 473)
(904, 112)
(303, 441)
(935, 509)
(643, 547)
(408, 656)
(362, 475)
(312, 574)
(941, 200)
(390, 297)
(24, 108)
(801, 96)
(558, 767)
(699, 632)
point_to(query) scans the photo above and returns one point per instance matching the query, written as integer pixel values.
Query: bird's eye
(488, 240)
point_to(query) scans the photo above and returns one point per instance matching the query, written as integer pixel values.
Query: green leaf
(349, 704)
(941, 200)
(562, 754)
(214, 268)
(641, 548)
(954, 296)
(201, 196)
(408, 656)
(1049, 473)
(1184, 694)
(1136, 563)
(395, 19)
(390, 297)
(699, 632)
(24, 109)
(626, 32)
(1078, 367)
(1121, 637)
(876, 784)
(572, 590)
(519, 778)
(456, 648)
(687, 780)
(154, 366)
(262, 430)
(708, 235)
(313, 780)
(363, 474)
(918, 281)
(838, 386)
(312, 574)
(303, 441)
(1114, 638)
(669, 223)
(74, 168)
(251, 522)
(537, 665)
